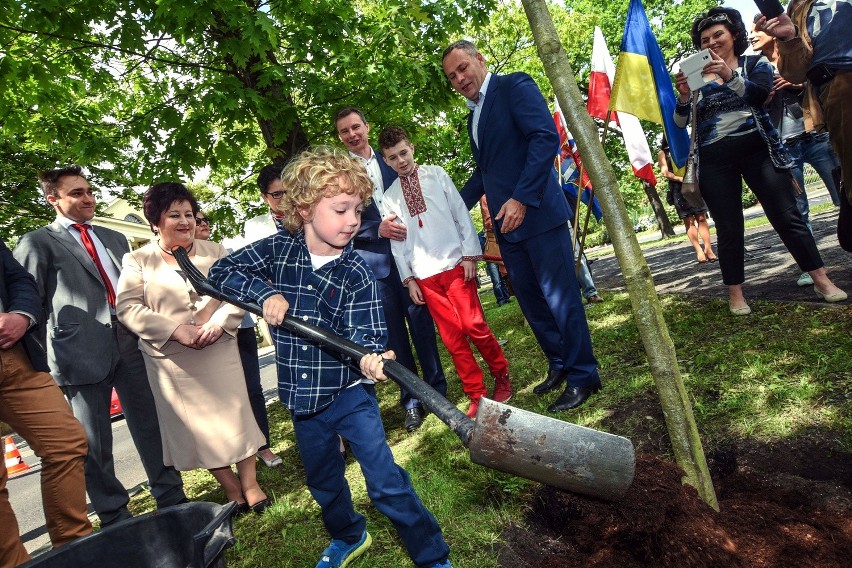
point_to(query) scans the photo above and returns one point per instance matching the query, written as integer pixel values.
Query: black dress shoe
(573, 397)
(260, 506)
(413, 418)
(553, 380)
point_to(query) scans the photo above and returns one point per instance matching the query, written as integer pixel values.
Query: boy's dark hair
(391, 136)
(728, 17)
(49, 179)
(160, 196)
(267, 175)
(346, 111)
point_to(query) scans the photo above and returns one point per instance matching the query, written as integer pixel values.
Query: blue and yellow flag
(643, 86)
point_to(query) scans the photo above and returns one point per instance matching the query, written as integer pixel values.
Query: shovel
(505, 438)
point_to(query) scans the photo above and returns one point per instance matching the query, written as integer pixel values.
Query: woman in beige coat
(188, 342)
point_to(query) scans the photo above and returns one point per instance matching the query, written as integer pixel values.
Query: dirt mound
(766, 519)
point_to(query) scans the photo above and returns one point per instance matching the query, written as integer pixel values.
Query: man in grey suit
(76, 267)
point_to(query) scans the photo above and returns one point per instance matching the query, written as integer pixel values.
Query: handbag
(492, 249)
(689, 187)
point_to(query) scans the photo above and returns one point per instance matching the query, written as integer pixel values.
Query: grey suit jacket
(78, 332)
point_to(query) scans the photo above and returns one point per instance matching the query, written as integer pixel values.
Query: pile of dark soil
(767, 518)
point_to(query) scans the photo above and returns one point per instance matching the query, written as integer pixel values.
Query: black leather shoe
(413, 418)
(573, 397)
(553, 380)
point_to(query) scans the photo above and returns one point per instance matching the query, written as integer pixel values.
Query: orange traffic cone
(14, 462)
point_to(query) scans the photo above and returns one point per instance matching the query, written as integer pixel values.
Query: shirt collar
(482, 90)
(66, 222)
(363, 159)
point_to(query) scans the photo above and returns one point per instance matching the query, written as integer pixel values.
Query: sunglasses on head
(202, 221)
(714, 19)
(276, 194)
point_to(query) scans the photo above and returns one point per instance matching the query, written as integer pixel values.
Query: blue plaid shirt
(340, 297)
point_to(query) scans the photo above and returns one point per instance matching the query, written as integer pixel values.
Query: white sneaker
(805, 280)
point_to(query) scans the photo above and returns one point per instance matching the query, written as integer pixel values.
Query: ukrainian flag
(643, 86)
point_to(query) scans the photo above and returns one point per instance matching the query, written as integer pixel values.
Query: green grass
(782, 373)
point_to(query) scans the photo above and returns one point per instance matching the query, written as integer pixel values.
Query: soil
(788, 504)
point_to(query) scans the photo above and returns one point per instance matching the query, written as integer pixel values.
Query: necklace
(170, 253)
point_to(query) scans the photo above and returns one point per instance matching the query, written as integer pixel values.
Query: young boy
(437, 262)
(313, 273)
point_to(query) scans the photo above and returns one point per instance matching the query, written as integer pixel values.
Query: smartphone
(693, 66)
(770, 8)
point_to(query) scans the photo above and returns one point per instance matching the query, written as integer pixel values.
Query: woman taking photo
(736, 141)
(190, 351)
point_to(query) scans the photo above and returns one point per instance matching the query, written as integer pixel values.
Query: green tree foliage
(139, 91)
(157, 90)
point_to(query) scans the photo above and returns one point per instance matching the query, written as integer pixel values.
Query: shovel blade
(553, 452)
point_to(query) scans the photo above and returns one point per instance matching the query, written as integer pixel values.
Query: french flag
(600, 88)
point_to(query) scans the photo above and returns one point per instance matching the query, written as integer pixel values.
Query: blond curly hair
(320, 172)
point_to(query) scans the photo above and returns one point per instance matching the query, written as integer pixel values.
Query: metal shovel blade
(551, 451)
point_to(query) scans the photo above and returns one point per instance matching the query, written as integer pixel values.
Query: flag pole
(582, 238)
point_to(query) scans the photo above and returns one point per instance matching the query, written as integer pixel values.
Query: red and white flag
(600, 86)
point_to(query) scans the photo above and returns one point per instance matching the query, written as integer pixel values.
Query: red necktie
(90, 248)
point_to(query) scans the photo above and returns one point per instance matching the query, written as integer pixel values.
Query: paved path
(771, 272)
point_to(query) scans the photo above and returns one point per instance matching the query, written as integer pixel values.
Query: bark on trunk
(647, 311)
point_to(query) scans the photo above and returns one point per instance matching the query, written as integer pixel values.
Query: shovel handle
(432, 399)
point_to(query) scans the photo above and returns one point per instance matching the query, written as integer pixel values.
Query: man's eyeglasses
(276, 194)
(714, 19)
(202, 221)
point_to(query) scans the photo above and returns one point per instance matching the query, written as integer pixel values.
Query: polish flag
(600, 86)
(567, 147)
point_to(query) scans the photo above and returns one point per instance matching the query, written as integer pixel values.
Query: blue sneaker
(444, 564)
(339, 554)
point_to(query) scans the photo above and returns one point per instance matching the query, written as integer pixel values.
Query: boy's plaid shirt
(340, 297)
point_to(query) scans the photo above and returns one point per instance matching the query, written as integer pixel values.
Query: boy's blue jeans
(354, 414)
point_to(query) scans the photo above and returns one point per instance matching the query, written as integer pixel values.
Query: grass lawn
(779, 375)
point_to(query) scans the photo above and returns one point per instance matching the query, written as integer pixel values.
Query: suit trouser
(90, 404)
(247, 345)
(455, 306)
(723, 166)
(542, 272)
(354, 414)
(34, 407)
(399, 308)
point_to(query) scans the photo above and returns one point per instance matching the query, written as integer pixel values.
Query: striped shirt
(340, 297)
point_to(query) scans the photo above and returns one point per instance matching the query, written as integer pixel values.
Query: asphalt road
(770, 271)
(25, 490)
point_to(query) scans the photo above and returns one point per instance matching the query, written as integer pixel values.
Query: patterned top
(340, 297)
(736, 108)
(441, 236)
(826, 21)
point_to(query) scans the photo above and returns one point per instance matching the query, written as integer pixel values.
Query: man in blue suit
(373, 243)
(514, 143)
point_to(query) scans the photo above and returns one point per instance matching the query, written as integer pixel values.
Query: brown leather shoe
(594, 299)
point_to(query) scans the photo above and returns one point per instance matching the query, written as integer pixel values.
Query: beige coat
(202, 403)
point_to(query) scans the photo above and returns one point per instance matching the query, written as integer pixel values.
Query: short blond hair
(317, 173)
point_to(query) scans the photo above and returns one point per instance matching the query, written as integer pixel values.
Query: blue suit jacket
(518, 144)
(374, 249)
(19, 293)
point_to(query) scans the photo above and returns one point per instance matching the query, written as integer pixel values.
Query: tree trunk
(663, 222)
(647, 311)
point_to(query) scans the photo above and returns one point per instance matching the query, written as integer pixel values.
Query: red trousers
(454, 305)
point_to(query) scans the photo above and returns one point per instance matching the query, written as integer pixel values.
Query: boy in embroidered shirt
(437, 263)
(312, 273)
